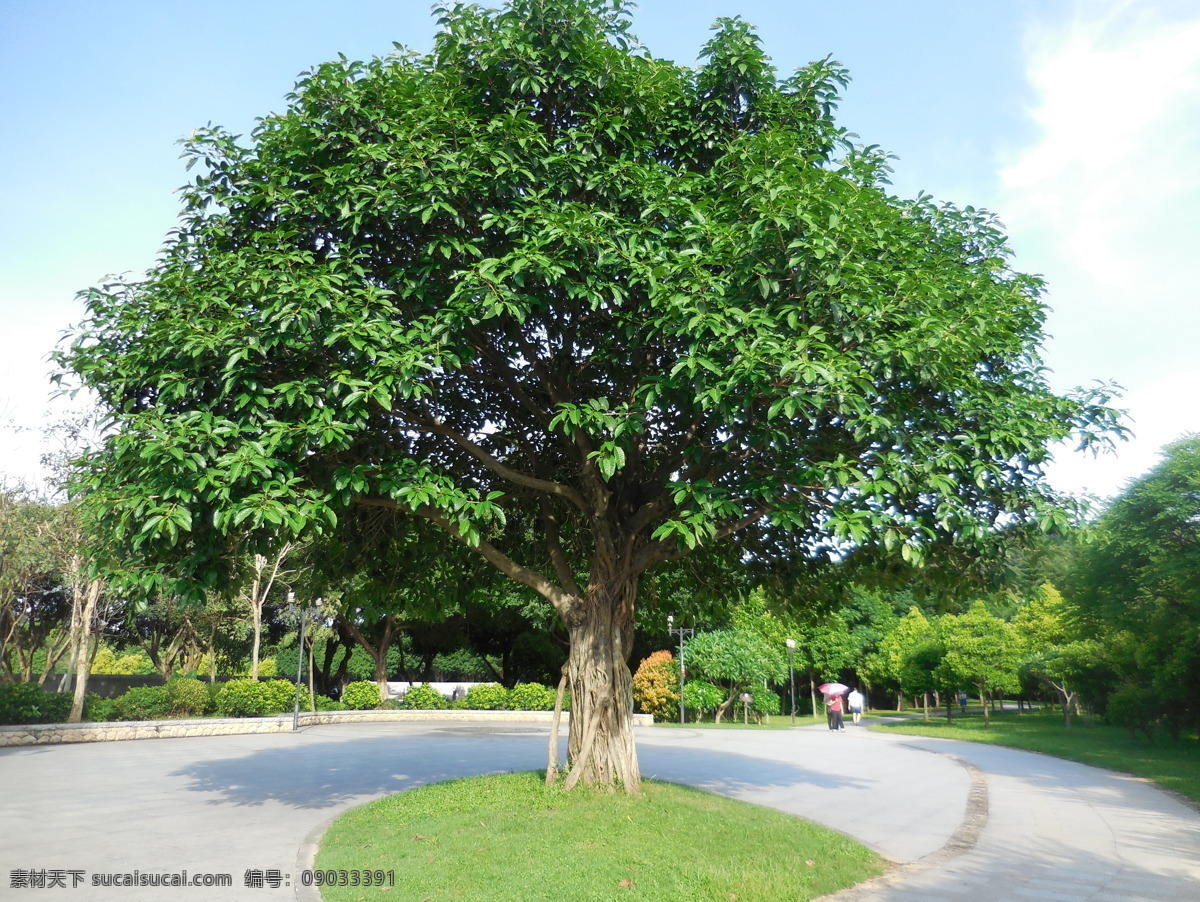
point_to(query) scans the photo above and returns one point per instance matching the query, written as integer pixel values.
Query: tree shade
(539, 283)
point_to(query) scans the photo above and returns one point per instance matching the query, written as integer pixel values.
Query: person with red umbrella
(834, 705)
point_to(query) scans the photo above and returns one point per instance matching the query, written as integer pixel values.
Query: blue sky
(1078, 123)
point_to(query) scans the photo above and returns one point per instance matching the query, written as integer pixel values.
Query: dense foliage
(1137, 588)
(585, 311)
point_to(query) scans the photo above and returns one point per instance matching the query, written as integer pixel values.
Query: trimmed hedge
(425, 698)
(361, 695)
(189, 697)
(142, 703)
(531, 697)
(22, 703)
(484, 697)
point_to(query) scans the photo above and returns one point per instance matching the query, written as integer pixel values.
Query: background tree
(1052, 648)
(263, 573)
(1138, 582)
(539, 283)
(888, 665)
(923, 672)
(980, 651)
(824, 649)
(738, 660)
(32, 602)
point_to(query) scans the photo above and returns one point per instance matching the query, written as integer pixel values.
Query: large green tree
(538, 282)
(1138, 582)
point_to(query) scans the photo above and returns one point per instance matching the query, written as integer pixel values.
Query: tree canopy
(538, 282)
(1138, 583)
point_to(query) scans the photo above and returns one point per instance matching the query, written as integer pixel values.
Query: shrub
(766, 701)
(132, 663)
(362, 695)
(531, 697)
(242, 698)
(22, 703)
(425, 698)
(142, 703)
(97, 708)
(325, 703)
(701, 697)
(1133, 707)
(189, 697)
(656, 686)
(281, 696)
(485, 697)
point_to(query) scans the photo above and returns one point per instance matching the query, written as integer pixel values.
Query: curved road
(961, 821)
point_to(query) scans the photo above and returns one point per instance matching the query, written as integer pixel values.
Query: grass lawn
(510, 838)
(1173, 765)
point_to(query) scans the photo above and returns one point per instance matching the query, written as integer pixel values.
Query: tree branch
(502, 470)
(554, 545)
(563, 602)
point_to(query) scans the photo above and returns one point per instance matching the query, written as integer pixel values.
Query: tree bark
(552, 752)
(83, 660)
(600, 746)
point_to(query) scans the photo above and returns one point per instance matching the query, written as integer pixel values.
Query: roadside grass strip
(1173, 764)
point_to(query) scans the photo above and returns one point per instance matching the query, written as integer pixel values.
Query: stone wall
(46, 734)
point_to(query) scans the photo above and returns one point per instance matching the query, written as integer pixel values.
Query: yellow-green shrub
(656, 686)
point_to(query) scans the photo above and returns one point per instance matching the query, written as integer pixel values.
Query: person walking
(856, 701)
(834, 709)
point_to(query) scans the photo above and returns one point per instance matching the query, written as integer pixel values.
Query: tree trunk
(83, 660)
(600, 747)
(53, 654)
(723, 708)
(212, 655)
(256, 644)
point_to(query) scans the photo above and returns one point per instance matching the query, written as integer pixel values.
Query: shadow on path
(330, 774)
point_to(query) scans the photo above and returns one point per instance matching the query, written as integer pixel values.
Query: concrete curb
(306, 858)
(49, 734)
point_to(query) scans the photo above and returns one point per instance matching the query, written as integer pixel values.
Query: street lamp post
(791, 647)
(303, 614)
(683, 633)
(291, 600)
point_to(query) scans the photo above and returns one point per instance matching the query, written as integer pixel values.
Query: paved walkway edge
(53, 733)
(306, 859)
(963, 840)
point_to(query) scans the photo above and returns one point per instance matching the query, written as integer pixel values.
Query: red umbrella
(832, 688)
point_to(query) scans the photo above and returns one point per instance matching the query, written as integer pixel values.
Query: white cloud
(1104, 203)
(1156, 420)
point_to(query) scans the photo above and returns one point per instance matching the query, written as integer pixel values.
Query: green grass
(1173, 765)
(510, 838)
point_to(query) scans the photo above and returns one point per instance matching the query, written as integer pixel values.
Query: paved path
(961, 821)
